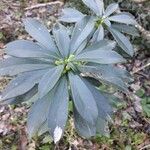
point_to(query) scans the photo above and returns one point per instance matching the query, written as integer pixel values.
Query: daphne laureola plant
(64, 67)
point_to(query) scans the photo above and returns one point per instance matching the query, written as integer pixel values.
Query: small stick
(142, 68)
(147, 146)
(44, 5)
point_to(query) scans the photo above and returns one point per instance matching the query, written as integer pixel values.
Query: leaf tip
(57, 134)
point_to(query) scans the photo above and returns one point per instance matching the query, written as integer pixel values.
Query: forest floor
(131, 129)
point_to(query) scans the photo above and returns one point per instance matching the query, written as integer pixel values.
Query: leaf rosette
(49, 71)
(106, 20)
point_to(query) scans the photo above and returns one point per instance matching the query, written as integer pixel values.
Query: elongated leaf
(126, 29)
(49, 80)
(22, 98)
(122, 41)
(100, 6)
(71, 15)
(107, 74)
(40, 33)
(99, 34)
(62, 39)
(101, 45)
(106, 71)
(123, 18)
(107, 22)
(102, 127)
(16, 61)
(58, 110)
(14, 66)
(84, 128)
(111, 9)
(38, 114)
(83, 99)
(22, 84)
(23, 48)
(81, 31)
(81, 47)
(43, 129)
(104, 108)
(96, 6)
(101, 56)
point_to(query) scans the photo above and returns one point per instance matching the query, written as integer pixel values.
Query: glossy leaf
(81, 31)
(49, 80)
(101, 56)
(126, 29)
(22, 98)
(100, 6)
(101, 45)
(96, 6)
(84, 128)
(123, 18)
(71, 15)
(40, 33)
(58, 110)
(83, 99)
(111, 9)
(102, 127)
(81, 47)
(122, 41)
(62, 39)
(99, 34)
(22, 84)
(14, 66)
(106, 70)
(38, 115)
(23, 48)
(104, 108)
(107, 22)
(107, 74)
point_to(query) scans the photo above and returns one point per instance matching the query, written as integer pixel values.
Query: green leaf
(40, 33)
(100, 6)
(62, 39)
(97, 6)
(122, 41)
(81, 47)
(99, 34)
(43, 129)
(111, 9)
(126, 29)
(38, 114)
(101, 45)
(22, 84)
(13, 66)
(71, 15)
(101, 127)
(84, 128)
(83, 99)
(108, 74)
(104, 108)
(107, 22)
(123, 18)
(49, 80)
(23, 48)
(58, 110)
(81, 31)
(101, 56)
(22, 98)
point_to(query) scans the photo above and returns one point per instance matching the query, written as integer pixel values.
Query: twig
(143, 67)
(147, 146)
(44, 5)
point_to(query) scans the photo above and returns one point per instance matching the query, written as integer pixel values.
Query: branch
(44, 5)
